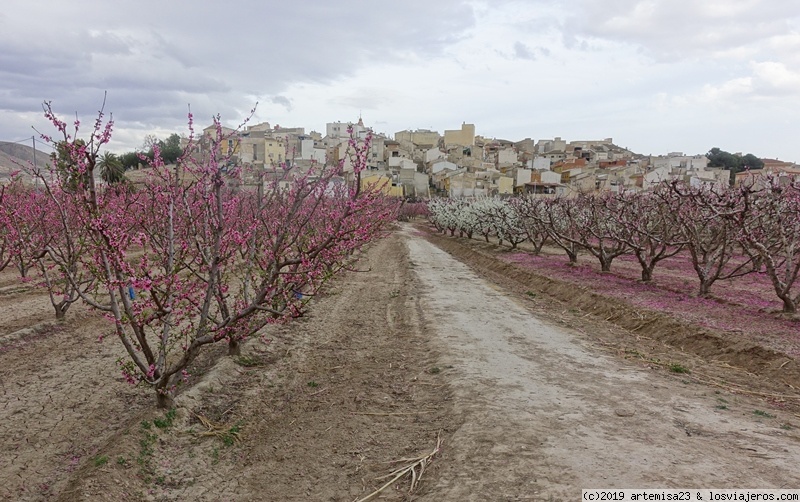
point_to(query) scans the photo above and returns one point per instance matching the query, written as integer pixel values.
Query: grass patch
(167, 421)
(230, 437)
(146, 451)
(247, 361)
(100, 460)
(313, 384)
(762, 413)
(435, 370)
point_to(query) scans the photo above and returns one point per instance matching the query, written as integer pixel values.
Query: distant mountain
(14, 155)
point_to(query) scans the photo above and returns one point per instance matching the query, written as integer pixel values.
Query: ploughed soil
(535, 389)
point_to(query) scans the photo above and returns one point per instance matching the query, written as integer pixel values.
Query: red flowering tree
(41, 218)
(8, 236)
(19, 213)
(187, 260)
(411, 210)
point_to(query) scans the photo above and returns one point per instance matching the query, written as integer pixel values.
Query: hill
(15, 155)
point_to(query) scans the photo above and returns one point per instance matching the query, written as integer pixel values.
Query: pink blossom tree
(185, 261)
(412, 210)
(8, 237)
(49, 241)
(18, 213)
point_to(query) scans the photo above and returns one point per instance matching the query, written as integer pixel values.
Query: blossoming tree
(185, 260)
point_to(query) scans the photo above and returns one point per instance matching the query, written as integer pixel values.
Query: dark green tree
(170, 148)
(129, 160)
(65, 159)
(111, 169)
(733, 163)
(750, 161)
(723, 159)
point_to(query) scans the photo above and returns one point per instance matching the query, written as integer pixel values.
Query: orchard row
(182, 260)
(725, 233)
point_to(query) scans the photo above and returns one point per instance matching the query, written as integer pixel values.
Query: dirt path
(547, 414)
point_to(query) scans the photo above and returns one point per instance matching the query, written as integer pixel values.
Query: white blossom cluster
(488, 216)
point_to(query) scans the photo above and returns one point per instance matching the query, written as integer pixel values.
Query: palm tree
(111, 169)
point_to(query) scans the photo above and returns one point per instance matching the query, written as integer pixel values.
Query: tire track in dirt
(547, 414)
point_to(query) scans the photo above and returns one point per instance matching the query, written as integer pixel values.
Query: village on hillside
(459, 163)
(424, 163)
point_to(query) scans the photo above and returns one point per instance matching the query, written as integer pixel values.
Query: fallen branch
(222, 431)
(416, 468)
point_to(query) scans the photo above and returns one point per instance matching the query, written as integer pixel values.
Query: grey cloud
(283, 101)
(670, 30)
(154, 57)
(521, 51)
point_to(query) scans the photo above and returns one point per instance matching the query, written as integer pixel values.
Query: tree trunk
(789, 306)
(573, 257)
(705, 286)
(164, 399)
(647, 274)
(234, 347)
(61, 311)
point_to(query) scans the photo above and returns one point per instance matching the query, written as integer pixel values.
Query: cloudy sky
(655, 75)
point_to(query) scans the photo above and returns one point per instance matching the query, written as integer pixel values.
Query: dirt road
(531, 406)
(547, 414)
